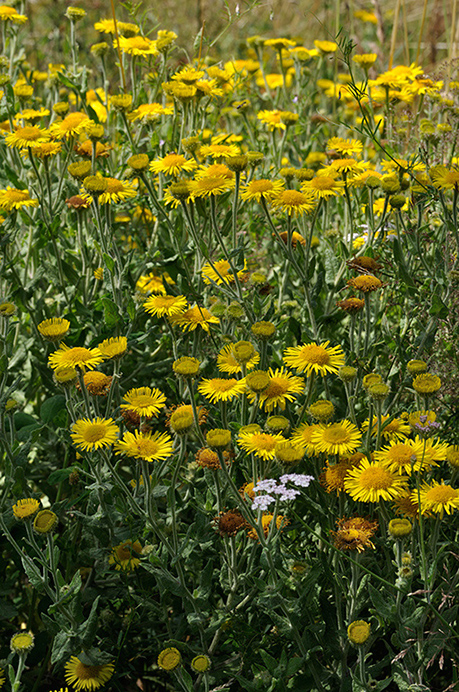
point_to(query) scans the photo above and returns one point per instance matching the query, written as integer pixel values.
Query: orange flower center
(442, 494)
(336, 434)
(315, 354)
(95, 432)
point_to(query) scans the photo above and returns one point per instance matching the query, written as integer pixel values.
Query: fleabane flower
(315, 358)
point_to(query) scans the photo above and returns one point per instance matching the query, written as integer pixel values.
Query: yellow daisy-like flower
(107, 26)
(433, 451)
(396, 430)
(117, 191)
(426, 383)
(294, 203)
(371, 482)
(153, 283)
(76, 357)
(214, 170)
(173, 164)
(44, 149)
(403, 457)
(150, 111)
(337, 438)
(262, 189)
(113, 348)
(315, 358)
(12, 199)
(354, 534)
(226, 361)
(148, 446)
(144, 401)
(266, 521)
(22, 642)
(261, 444)
(26, 508)
(273, 119)
(136, 45)
(97, 383)
(212, 185)
(89, 434)
(188, 74)
(220, 273)
(365, 60)
(72, 125)
(87, 677)
(54, 329)
(26, 137)
(444, 178)
(326, 46)
(452, 455)
(324, 186)
(193, 318)
(219, 389)
(165, 306)
(282, 387)
(303, 436)
(437, 498)
(123, 556)
(219, 151)
(9, 14)
(348, 147)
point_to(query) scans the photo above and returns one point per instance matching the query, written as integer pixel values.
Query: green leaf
(51, 408)
(109, 262)
(60, 475)
(33, 573)
(270, 662)
(90, 626)
(438, 308)
(382, 603)
(293, 666)
(111, 315)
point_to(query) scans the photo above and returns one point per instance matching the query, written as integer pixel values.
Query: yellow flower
(282, 387)
(29, 136)
(226, 360)
(272, 119)
(173, 164)
(326, 46)
(164, 305)
(261, 444)
(54, 329)
(365, 60)
(403, 457)
(212, 185)
(219, 389)
(444, 178)
(219, 151)
(370, 482)
(87, 677)
(396, 430)
(22, 642)
(13, 199)
(152, 283)
(113, 348)
(337, 438)
(89, 434)
(324, 186)
(186, 366)
(26, 508)
(45, 521)
(266, 521)
(76, 357)
(193, 318)
(426, 383)
(314, 358)
(262, 189)
(220, 273)
(117, 191)
(201, 663)
(437, 498)
(136, 45)
(148, 446)
(150, 111)
(169, 658)
(358, 632)
(73, 124)
(9, 14)
(294, 203)
(144, 401)
(348, 147)
(123, 556)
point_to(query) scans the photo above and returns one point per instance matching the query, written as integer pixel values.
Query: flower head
(169, 658)
(147, 446)
(337, 438)
(372, 481)
(358, 632)
(26, 508)
(193, 318)
(89, 434)
(354, 534)
(426, 383)
(87, 677)
(124, 556)
(365, 283)
(113, 348)
(220, 389)
(144, 401)
(294, 203)
(45, 521)
(437, 498)
(228, 362)
(22, 642)
(282, 387)
(76, 357)
(314, 358)
(12, 199)
(201, 663)
(261, 444)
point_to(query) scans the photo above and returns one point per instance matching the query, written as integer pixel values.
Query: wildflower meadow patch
(229, 301)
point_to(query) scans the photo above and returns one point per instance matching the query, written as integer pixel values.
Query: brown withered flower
(230, 522)
(354, 534)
